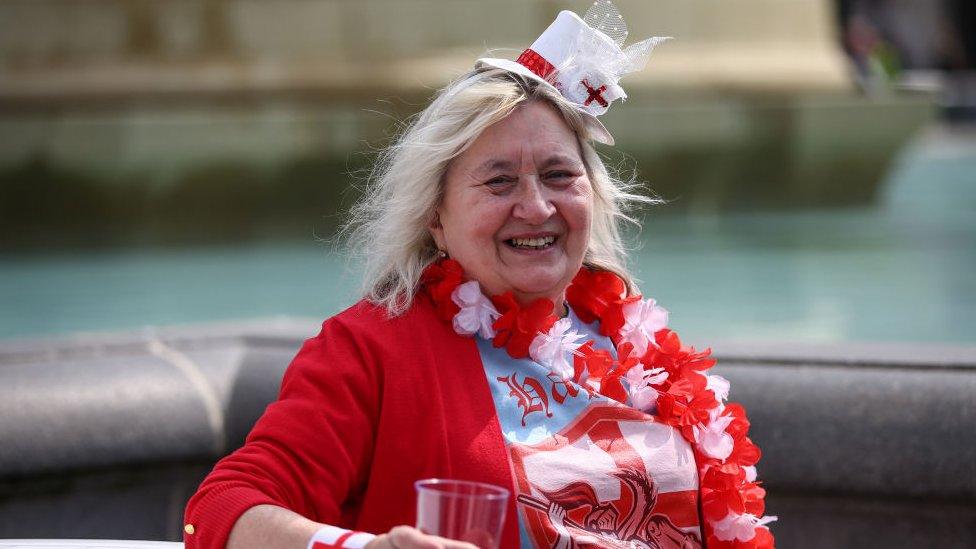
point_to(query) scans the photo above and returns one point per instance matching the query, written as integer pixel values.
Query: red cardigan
(368, 406)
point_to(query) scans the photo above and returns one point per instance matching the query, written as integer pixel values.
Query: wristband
(331, 537)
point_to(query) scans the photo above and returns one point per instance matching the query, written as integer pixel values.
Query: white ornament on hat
(584, 59)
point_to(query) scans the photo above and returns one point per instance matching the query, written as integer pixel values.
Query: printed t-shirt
(587, 470)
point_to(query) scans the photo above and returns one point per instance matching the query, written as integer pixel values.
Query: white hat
(583, 60)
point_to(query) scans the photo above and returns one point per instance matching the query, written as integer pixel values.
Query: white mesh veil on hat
(583, 59)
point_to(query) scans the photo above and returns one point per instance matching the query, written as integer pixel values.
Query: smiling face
(517, 206)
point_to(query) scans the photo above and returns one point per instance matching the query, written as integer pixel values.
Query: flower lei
(652, 369)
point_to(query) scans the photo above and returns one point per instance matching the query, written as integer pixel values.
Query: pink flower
(738, 527)
(476, 314)
(712, 439)
(751, 473)
(551, 349)
(718, 385)
(643, 395)
(642, 319)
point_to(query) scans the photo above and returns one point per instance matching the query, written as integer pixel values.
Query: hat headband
(584, 59)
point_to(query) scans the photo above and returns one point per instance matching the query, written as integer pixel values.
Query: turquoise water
(902, 270)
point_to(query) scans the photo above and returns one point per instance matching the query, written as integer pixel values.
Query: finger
(405, 537)
(478, 537)
(452, 544)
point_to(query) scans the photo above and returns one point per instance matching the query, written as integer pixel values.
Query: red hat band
(536, 63)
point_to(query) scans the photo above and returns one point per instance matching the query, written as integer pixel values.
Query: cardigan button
(189, 529)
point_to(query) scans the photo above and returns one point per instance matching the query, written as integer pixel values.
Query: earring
(441, 254)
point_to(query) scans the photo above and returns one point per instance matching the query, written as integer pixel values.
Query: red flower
(625, 359)
(715, 543)
(684, 402)
(673, 357)
(691, 384)
(439, 280)
(597, 361)
(592, 291)
(754, 498)
(580, 360)
(605, 373)
(722, 493)
(611, 387)
(681, 406)
(612, 319)
(740, 425)
(762, 540)
(668, 341)
(518, 326)
(744, 453)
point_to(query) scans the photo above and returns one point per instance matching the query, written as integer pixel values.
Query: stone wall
(107, 436)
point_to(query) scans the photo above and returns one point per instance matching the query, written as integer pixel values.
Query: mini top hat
(583, 59)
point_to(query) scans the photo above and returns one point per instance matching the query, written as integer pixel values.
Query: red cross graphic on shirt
(595, 94)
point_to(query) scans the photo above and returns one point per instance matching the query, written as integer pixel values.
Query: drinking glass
(461, 510)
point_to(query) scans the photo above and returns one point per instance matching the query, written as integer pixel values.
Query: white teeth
(533, 242)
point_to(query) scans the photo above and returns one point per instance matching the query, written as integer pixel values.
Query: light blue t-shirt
(589, 470)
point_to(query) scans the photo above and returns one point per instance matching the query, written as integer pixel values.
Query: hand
(405, 537)
(557, 516)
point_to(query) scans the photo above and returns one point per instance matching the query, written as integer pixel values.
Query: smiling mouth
(540, 243)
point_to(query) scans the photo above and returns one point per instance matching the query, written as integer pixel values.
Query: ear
(437, 230)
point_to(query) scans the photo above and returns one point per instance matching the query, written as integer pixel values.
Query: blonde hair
(388, 228)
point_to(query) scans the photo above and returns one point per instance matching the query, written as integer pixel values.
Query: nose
(533, 205)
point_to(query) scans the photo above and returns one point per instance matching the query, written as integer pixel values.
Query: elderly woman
(500, 340)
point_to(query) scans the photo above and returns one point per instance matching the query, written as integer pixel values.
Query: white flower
(712, 439)
(551, 349)
(477, 313)
(643, 395)
(750, 472)
(740, 527)
(641, 320)
(718, 385)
